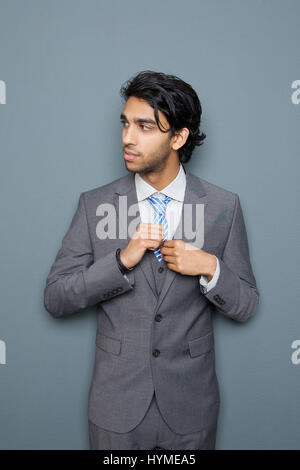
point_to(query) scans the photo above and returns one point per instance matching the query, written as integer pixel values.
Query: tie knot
(158, 203)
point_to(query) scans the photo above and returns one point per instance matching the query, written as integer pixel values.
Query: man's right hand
(146, 237)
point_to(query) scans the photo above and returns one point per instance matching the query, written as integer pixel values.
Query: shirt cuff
(210, 284)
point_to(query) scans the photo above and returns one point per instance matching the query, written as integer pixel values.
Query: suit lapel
(194, 194)
(127, 188)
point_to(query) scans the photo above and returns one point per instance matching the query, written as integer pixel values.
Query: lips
(130, 153)
(130, 156)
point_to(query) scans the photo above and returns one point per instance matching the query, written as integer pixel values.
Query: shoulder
(215, 193)
(106, 190)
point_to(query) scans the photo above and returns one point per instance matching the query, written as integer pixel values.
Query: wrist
(124, 261)
(212, 266)
(123, 268)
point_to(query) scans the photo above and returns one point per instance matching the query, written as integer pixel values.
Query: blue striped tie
(159, 206)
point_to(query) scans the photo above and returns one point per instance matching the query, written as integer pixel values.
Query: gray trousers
(151, 433)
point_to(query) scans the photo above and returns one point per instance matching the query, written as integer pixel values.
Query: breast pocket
(111, 345)
(201, 345)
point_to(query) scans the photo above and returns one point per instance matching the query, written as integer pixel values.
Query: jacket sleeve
(75, 281)
(235, 293)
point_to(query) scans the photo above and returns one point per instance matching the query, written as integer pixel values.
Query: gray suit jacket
(144, 341)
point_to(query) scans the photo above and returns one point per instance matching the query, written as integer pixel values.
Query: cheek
(148, 146)
(156, 146)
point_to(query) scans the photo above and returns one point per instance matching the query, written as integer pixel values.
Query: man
(154, 383)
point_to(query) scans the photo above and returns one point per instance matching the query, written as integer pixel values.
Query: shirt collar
(175, 189)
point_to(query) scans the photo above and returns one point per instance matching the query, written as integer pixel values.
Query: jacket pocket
(201, 345)
(111, 345)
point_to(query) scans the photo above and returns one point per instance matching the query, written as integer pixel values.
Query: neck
(163, 178)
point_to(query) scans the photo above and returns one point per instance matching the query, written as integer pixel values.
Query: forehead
(136, 108)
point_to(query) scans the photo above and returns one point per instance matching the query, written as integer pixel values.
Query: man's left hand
(188, 259)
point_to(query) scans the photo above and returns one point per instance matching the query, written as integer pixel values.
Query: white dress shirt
(176, 191)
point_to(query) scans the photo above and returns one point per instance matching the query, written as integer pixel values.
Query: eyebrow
(139, 120)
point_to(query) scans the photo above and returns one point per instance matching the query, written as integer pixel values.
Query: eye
(142, 125)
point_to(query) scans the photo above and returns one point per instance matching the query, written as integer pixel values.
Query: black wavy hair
(176, 99)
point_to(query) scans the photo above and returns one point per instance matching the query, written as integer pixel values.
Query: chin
(131, 167)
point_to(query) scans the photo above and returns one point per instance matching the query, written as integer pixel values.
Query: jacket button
(158, 317)
(160, 269)
(156, 352)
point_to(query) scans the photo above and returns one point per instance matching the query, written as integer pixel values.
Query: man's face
(143, 139)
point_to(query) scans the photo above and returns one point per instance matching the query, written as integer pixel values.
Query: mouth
(130, 156)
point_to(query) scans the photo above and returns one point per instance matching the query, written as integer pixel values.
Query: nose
(128, 136)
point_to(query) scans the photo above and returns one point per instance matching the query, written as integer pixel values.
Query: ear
(180, 138)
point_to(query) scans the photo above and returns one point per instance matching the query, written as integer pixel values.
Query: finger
(169, 259)
(172, 266)
(157, 233)
(146, 226)
(166, 250)
(150, 233)
(155, 228)
(169, 243)
(159, 226)
(152, 245)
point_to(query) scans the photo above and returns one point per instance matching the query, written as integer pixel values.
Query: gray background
(63, 63)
